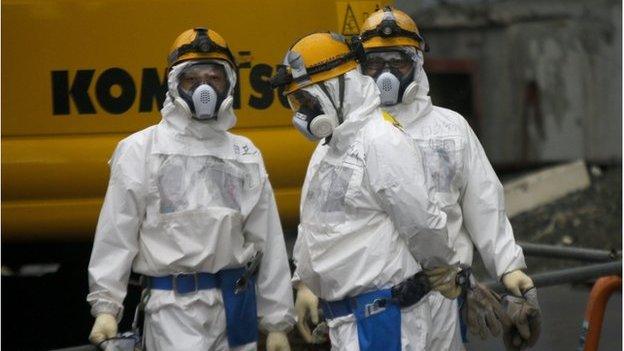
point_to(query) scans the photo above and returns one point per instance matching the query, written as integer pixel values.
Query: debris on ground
(591, 218)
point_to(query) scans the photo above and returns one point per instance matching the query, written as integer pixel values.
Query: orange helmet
(391, 27)
(314, 58)
(199, 43)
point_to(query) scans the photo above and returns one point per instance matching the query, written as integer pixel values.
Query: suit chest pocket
(332, 189)
(197, 182)
(443, 165)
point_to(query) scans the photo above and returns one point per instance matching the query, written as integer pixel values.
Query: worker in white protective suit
(459, 177)
(190, 207)
(365, 214)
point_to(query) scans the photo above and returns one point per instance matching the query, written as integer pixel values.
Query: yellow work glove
(444, 280)
(516, 282)
(105, 327)
(277, 341)
(306, 307)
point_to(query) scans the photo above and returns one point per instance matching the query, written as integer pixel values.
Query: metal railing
(568, 275)
(566, 252)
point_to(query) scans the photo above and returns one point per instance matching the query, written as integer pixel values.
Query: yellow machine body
(80, 75)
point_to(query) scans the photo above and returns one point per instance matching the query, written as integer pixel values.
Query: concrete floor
(563, 309)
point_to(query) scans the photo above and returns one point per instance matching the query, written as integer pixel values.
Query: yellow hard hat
(315, 58)
(391, 27)
(199, 43)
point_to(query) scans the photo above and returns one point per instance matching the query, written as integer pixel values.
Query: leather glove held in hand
(444, 280)
(483, 311)
(526, 318)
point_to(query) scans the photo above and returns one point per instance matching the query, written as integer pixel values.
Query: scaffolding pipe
(568, 275)
(576, 253)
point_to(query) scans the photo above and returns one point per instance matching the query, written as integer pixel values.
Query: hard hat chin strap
(341, 89)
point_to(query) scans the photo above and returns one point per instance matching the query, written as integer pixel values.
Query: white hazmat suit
(462, 183)
(364, 204)
(187, 196)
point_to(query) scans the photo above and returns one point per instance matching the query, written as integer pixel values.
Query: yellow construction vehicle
(78, 76)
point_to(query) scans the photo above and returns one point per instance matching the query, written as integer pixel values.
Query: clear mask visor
(397, 62)
(200, 73)
(303, 101)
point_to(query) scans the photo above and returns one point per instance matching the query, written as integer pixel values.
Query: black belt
(407, 293)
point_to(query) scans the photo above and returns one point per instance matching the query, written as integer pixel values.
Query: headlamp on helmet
(388, 27)
(391, 27)
(200, 43)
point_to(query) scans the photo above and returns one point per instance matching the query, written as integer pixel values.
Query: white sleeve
(116, 237)
(275, 298)
(317, 156)
(395, 170)
(483, 208)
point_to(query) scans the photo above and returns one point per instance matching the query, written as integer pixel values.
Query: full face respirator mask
(314, 117)
(394, 73)
(204, 87)
(309, 117)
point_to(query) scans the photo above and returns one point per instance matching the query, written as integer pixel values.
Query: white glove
(105, 327)
(516, 282)
(306, 306)
(277, 341)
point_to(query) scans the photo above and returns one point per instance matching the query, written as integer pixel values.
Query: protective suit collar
(407, 113)
(361, 99)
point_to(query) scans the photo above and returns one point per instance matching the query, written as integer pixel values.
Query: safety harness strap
(341, 89)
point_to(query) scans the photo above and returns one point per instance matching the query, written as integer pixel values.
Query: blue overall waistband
(184, 283)
(347, 306)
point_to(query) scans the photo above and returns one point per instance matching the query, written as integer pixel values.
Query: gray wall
(567, 52)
